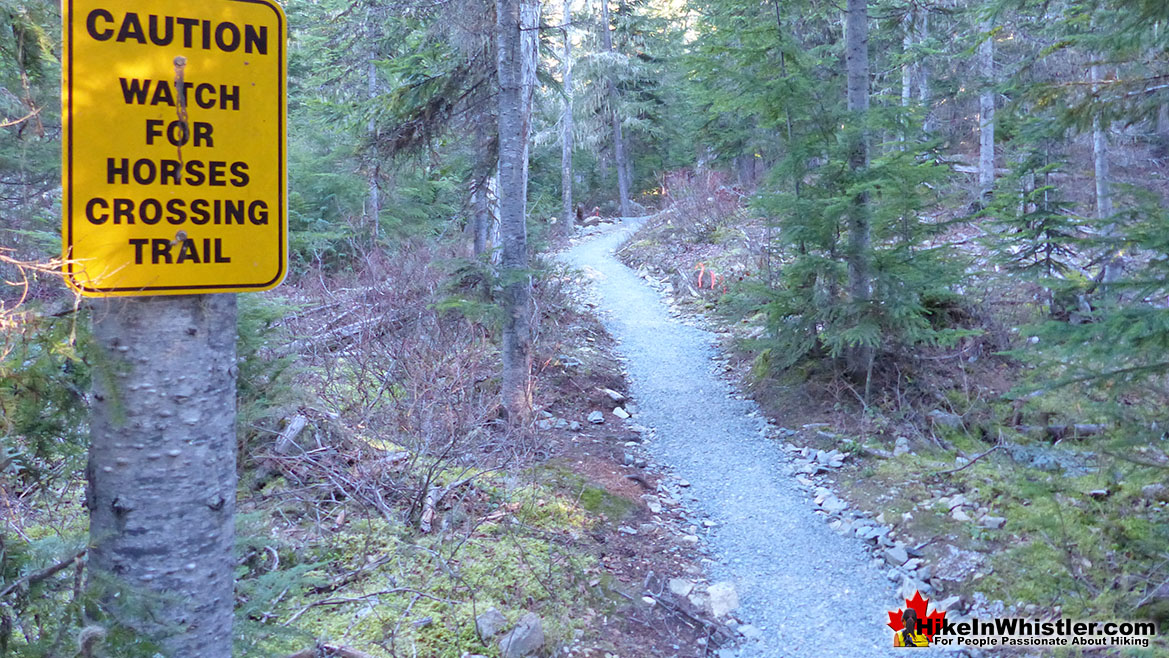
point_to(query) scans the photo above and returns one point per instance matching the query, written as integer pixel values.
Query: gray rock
(901, 447)
(680, 587)
(574, 426)
(653, 503)
(750, 631)
(699, 600)
(911, 585)
(945, 419)
(1156, 491)
(723, 598)
(613, 395)
(993, 522)
(490, 623)
(959, 515)
(620, 413)
(560, 424)
(545, 424)
(525, 639)
(833, 505)
(948, 604)
(596, 417)
(896, 555)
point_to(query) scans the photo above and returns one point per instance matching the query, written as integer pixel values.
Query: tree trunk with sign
(517, 23)
(162, 469)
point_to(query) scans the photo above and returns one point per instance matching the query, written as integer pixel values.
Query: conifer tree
(517, 21)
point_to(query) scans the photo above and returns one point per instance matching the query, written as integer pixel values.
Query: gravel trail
(810, 591)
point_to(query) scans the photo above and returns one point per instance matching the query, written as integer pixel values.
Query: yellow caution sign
(174, 146)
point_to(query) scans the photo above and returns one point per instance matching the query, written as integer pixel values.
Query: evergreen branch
(48, 572)
(14, 122)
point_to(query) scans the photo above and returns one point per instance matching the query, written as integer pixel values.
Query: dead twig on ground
(969, 463)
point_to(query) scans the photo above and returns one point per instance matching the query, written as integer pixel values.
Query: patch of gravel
(809, 590)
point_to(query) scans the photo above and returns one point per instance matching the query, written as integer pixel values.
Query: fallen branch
(434, 496)
(285, 441)
(355, 599)
(344, 652)
(330, 650)
(716, 630)
(969, 463)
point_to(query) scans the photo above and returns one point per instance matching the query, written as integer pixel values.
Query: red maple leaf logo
(930, 622)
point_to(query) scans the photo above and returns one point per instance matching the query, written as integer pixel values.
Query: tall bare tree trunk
(622, 163)
(567, 214)
(375, 203)
(1113, 264)
(517, 21)
(923, 68)
(986, 116)
(486, 169)
(856, 48)
(908, 67)
(1163, 120)
(161, 472)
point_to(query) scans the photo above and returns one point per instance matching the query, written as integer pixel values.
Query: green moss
(402, 593)
(592, 499)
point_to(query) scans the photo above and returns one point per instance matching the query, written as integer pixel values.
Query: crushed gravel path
(810, 591)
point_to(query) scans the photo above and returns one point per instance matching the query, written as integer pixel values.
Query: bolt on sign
(174, 149)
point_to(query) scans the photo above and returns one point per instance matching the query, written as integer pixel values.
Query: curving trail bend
(812, 592)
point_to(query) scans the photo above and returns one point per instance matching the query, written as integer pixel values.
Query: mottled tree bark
(624, 170)
(375, 203)
(1113, 264)
(486, 168)
(859, 230)
(923, 69)
(517, 21)
(566, 146)
(986, 116)
(908, 67)
(162, 468)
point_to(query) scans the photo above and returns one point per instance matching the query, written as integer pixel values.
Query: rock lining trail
(809, 590)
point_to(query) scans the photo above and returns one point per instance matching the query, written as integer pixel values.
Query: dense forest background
(940, 220)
